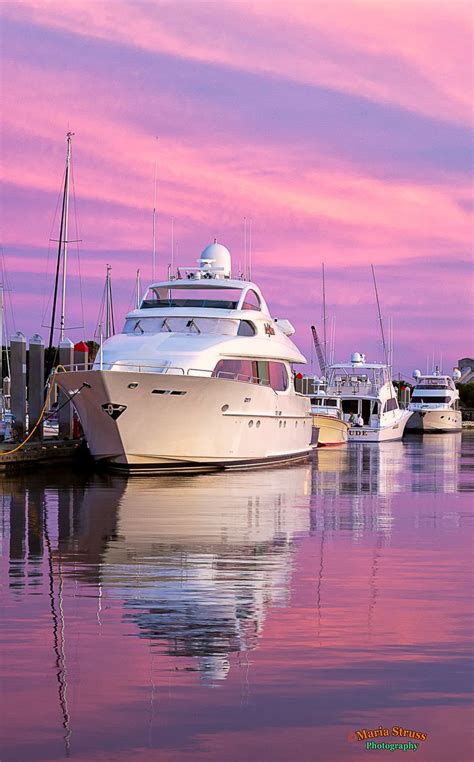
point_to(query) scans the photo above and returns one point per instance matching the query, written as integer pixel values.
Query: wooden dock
(47, 452)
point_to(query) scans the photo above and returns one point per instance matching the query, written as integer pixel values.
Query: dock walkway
(46, 452)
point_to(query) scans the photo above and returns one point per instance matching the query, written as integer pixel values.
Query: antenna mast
(138, 289)
(250, 249)
(153, 261)
(324, 316)
(172, 246)
(380, 318)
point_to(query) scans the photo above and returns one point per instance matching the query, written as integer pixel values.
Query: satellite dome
(416, 373)
(357, 357)
(216, 259)
(456, 374)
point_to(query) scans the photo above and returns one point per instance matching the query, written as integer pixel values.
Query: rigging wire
(45, 307)
(77, 247)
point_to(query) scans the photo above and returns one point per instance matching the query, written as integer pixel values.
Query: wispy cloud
(341, 129)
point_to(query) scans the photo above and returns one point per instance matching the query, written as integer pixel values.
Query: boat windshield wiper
(191, 324)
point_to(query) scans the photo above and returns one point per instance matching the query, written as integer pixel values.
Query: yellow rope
(9, 452)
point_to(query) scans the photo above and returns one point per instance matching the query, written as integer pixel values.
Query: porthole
(284, 424)
(258, 424)
(224, 408)
(296, 424)
(133, 386)
(280, 424)
(250, 424)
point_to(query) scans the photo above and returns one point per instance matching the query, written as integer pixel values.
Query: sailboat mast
(65, 241)
(109, 307)
(58, 261)
(387, 362)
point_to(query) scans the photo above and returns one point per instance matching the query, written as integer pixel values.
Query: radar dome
(416, 373)
(215, 259)
(357, 357)
(456, 374)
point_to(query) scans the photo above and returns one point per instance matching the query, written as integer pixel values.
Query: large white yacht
(368, 398)
(435, 403)
(200, 378)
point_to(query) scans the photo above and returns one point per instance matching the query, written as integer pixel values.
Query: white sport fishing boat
(368, 399)
(327, 413)
(200, 378)
(435, 403)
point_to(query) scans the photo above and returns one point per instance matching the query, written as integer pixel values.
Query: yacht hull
(387, 433)
(436, 421)
(150, 421)
(332, 431)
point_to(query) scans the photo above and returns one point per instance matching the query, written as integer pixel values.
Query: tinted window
(246, 328)
(240, 370)
(429, 399)
(278, 376)
(252, 302)
(272, 374)
(390, 404)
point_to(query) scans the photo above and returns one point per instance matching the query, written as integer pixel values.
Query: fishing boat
(368, 400)
(199, 379)
(435, 403)
(327, 413)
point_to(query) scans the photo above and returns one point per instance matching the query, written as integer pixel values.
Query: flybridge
(211, 284)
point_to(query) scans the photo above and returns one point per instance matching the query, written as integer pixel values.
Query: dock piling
(18, 382)
(36, 384)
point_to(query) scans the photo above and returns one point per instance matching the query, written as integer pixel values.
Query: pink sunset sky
(342, 128)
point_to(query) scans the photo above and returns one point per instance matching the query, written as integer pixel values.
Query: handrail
(135, 366)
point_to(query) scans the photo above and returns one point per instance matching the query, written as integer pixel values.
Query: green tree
(466, 394)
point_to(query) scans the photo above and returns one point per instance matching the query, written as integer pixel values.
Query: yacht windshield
(196, 325)
(186, 296)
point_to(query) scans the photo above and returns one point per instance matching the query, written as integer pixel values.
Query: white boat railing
(429, 406)
(131, 366)
(363, 388)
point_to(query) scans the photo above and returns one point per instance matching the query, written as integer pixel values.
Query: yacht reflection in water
(424, 464)
(195, 561)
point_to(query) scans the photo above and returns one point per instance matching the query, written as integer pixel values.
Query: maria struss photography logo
(395, 738)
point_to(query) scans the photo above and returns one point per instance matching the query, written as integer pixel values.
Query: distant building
(466, 366)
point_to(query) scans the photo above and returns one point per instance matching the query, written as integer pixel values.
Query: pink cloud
(362, 40)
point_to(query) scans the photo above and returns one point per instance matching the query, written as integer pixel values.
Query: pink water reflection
(242, 616)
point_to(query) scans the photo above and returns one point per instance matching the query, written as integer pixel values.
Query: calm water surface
(266, 615)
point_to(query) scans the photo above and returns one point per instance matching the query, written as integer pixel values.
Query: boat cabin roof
(208, 293)
(356, 367)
